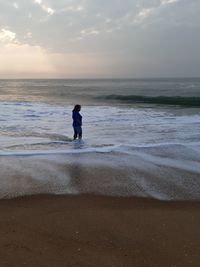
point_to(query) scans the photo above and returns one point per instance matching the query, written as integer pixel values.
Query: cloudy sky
(99, 38)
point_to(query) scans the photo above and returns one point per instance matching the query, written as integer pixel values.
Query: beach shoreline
(92, 230)
(168, 172)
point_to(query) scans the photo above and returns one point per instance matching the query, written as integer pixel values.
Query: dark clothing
(77, 118)
(77, 123)
(77, 132)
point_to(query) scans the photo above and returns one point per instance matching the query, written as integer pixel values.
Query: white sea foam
(24, 126)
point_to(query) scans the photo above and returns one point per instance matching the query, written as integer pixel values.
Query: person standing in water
(77, 122)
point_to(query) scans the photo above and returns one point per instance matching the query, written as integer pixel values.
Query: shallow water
(166, 172)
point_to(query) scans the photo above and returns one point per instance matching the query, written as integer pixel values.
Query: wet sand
(87, 230)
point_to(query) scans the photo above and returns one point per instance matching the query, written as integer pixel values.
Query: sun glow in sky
(99, 38)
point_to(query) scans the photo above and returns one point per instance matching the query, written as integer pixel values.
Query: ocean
(141, 137)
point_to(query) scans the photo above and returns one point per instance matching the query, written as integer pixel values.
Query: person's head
(77, 108)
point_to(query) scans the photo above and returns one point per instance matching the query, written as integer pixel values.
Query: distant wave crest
(161, 100)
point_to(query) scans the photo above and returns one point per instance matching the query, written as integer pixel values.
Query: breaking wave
(161, 100)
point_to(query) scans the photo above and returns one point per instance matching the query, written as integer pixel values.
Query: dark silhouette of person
(77, 122)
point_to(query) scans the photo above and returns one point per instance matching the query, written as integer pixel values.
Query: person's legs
(75, 133)
(80, 133)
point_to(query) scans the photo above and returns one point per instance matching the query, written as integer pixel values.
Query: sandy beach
(88, 230)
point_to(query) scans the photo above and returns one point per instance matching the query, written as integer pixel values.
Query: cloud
(47, 9)
(54, 24)
(143, 15)
(166, 2)
(15, 5)
(89, 31)
(71, 8)
(6, 35)
(133, 34)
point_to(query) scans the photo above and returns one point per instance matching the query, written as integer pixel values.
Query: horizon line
(108, 78)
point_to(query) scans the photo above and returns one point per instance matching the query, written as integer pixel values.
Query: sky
(99, 38)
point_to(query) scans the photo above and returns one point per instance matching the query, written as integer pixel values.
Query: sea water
(146, 129)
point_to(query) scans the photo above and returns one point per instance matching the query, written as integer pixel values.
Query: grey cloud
(165, 33)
